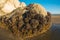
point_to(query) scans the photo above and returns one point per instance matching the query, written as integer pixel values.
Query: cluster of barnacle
(34, 22)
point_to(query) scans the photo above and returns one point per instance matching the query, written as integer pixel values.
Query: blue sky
(52, 6)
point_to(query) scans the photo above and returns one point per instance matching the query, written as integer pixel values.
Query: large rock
(26, 22)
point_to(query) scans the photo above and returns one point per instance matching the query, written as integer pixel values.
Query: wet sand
(5, 35)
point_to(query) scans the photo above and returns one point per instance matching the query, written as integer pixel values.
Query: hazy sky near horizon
(52, 6)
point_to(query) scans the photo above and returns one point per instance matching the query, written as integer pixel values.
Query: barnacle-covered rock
(25, 23)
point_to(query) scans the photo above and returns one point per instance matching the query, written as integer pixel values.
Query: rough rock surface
(24, 24)
(7, 6)
(37, 8)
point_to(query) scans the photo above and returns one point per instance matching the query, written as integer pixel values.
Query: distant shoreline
(56, 19)
(55, 14)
